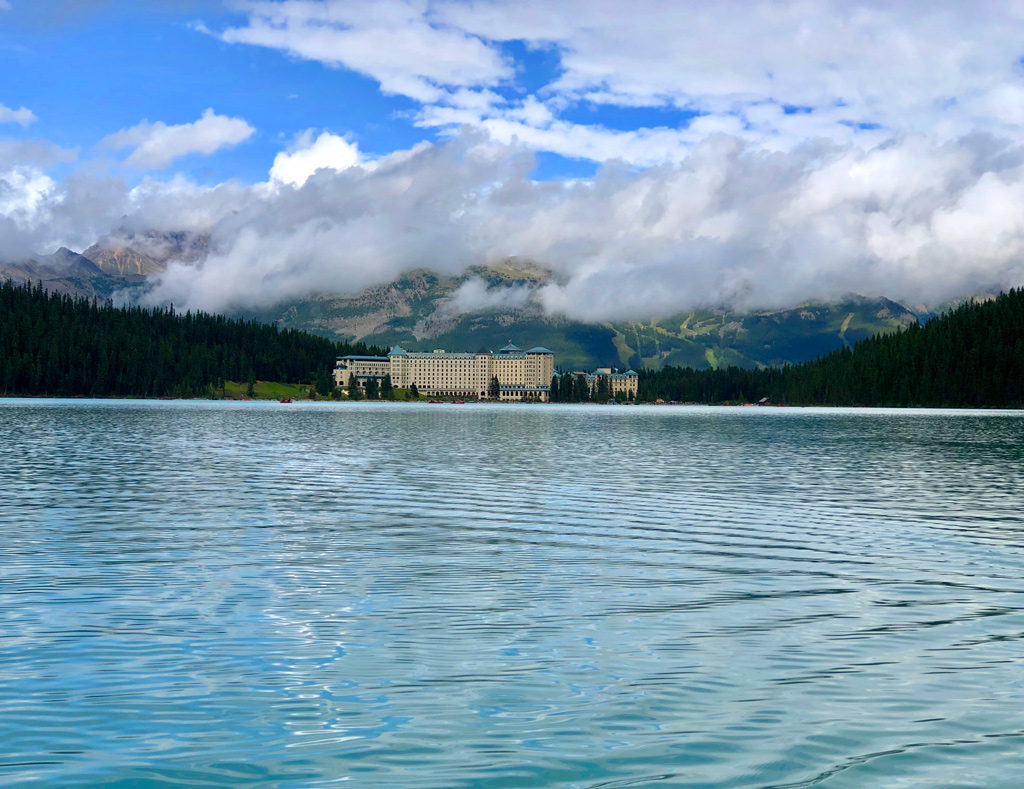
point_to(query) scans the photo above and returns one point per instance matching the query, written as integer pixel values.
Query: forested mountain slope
(972, 355)
(55, 344)
(423, 310)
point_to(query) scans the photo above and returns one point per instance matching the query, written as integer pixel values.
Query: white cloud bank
(912, 219)
(157, 145)
(730, 224)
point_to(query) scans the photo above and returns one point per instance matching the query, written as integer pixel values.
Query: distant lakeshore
(53, 345)
(344, 403)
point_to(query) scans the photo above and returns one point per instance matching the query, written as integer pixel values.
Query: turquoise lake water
(402, 595)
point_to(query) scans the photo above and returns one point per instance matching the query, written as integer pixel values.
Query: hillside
(53, 344)
(971, 356)
(116, 266)
(423, 310)
(64, 272)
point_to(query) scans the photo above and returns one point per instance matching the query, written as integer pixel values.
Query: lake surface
(511, 596)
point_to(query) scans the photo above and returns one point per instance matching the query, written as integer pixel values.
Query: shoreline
(322, 401)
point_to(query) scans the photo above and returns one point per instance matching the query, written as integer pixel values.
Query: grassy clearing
(266, 390)
(621, 345)
(403, 394)
(273, 390)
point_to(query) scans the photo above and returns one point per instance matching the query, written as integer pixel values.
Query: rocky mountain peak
(139, 255)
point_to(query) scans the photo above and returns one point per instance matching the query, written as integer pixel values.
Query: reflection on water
(403, 595)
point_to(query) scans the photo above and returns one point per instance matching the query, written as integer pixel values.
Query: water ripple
(422, 596)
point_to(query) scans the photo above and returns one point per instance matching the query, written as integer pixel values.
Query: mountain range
(486, 306)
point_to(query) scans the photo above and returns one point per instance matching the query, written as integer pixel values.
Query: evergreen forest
(50, 344)
(574, 388)
(972, 356)
(57, 345)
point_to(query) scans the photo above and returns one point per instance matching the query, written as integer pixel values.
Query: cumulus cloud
(22, 116)
(901, 66)
(27, 193)
(23, 191)
(157, 145)
(393, 42)
(34, 153)
(326, 152)
(774, 74)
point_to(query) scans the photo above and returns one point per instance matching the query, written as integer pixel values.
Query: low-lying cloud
(475, 294)
(731, 223)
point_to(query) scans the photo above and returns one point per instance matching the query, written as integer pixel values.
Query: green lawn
(272, 390)
(266, 390)
(403, 394)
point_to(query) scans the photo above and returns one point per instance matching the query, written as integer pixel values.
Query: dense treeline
(574, 388)
(971, 356)
(58, 345)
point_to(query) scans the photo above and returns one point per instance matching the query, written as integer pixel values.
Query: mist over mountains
(731, 224)
(483, 306)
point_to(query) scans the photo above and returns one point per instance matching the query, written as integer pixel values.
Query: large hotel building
(522, 375)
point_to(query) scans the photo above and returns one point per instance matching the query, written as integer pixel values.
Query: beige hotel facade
(522, 375)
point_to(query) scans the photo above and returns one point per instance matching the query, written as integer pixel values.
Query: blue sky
(112, 68)
(89, 70)
(655, 155)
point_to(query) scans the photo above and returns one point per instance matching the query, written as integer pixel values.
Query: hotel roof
(397, 350)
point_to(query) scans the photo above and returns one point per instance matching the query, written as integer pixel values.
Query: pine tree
(353, 387)
(566, 391)
(325, 382)
(581, 390)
